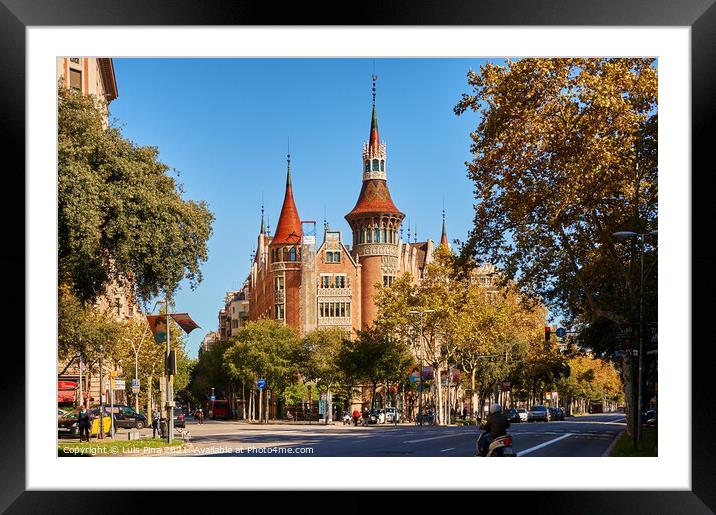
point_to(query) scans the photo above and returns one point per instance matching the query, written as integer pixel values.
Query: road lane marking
(448, 449)
(433, 438)
(545, 444)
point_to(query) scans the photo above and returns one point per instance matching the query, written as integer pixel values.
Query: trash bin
(163, 428)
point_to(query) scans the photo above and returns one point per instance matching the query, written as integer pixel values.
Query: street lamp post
(136, 350)
(420, 397)
(640, 237)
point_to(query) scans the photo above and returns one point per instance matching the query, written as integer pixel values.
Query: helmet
(494, 408)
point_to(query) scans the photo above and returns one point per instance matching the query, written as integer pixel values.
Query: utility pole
(170, 380)
(100, 433)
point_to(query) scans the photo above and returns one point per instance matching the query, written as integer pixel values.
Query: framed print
(488, 252)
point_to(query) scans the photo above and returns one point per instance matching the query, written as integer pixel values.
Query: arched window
(384, 236)
(367, 166)
(376, 234)
(382, 165)
(285, 254)
(375, 165)
(292, 254)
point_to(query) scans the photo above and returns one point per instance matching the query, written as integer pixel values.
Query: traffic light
(547, 331)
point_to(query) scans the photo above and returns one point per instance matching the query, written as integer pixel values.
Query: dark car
(648, 418)
(126, 417)
(512, 415)
(556, 414)
(179, 416)
(538, 412)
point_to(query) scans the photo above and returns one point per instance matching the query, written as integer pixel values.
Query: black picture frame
(700, 15)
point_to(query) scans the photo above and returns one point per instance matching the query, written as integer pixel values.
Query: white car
(523, 414)
(392, 415)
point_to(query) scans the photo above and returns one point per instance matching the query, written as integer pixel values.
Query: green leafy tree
(321, 360)
(265, 348)
(121, 217)
(375, 358)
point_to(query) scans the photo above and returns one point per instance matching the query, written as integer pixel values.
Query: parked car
(648, 418)
(512, 415)
(538, 412)
(126, 417)
(556, 414)
(179, 416)
(68, 425)
(523, 414)
(393, 415)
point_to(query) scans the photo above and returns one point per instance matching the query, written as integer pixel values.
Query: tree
(121, 217)
(321, 360)
(375, 358)
(565, 155)
(264, 349)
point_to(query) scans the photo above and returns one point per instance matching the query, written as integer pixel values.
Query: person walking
(156, 417)
(84, 422)
(201, 416)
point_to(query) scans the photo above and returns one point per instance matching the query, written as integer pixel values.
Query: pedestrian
(156, 417)
(201, 416)
(464, 413)
(83, 422)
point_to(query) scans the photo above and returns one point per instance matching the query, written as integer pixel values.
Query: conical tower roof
(443, 238)
(288, 228)
(374, 196)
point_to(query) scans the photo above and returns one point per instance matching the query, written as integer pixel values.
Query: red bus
(218, 409)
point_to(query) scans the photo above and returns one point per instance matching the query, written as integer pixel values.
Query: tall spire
(263, 228)
(374, 140)
(288, 228)
(443, 237)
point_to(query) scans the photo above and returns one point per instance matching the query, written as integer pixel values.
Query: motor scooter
(347, 418)
(499, 447)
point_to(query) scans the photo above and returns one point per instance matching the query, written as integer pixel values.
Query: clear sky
(223, 125)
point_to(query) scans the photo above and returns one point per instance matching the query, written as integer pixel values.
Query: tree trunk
(629, 391)
(243, 401)
(474, 392)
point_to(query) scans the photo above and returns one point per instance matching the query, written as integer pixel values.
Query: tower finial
(268, 225)
(408, 230)
(375, 78)
(288, 162)
(415, 234)
(263, 228)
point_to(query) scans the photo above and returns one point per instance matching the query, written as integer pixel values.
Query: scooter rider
(496, 426)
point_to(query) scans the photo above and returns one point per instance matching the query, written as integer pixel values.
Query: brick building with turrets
(333, 285)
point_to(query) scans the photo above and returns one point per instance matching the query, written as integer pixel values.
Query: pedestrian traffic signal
(547, 331)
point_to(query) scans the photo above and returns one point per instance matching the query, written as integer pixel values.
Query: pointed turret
(443, 238)
(263, 228)
(288, 228)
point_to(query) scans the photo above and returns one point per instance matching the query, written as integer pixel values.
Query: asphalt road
(587, 436)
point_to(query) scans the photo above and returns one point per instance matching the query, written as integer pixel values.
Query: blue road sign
(561, 332)
(213, 397)
(261, 383)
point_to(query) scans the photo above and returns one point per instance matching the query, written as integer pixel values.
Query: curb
(613, 444)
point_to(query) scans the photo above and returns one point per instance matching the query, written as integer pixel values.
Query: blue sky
(224, 123)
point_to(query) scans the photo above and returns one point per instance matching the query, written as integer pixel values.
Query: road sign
(135, 389)
(213, 397)
(135, 382)
(119, 384)
(261, 383)
(324, 396)
(321, 407)
(561, 332)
